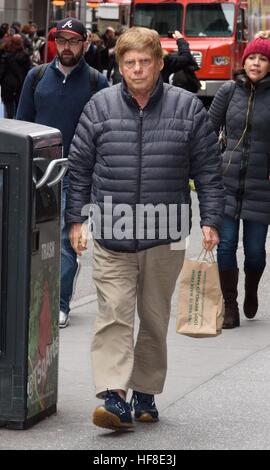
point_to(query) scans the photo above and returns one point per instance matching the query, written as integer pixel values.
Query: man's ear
(161, 64)
(85, 44)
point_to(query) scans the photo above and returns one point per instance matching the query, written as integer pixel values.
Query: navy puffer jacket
(246, 161)
(144, 157)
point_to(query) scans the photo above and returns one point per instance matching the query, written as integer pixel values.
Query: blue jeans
(69, 263)
(254, 238)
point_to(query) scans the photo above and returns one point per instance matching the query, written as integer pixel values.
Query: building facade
(36, 10)
(11, 10)
(94, 13)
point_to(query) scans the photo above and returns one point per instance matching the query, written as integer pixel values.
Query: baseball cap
(71, 25)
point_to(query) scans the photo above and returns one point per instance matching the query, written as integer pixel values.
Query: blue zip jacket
(57, 101)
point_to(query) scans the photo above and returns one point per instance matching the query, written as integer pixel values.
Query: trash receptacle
(31, 168)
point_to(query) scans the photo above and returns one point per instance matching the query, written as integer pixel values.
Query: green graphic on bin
(43, 344)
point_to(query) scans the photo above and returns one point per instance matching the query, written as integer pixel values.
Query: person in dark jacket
(14, 66)
(3, 31)
(15, 28)
(246, 168)
(113, 72)
(135, 148)
(57, 101)
(92, 54)
(182, 65)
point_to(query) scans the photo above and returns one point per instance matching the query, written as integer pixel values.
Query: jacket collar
(81, 64)
(243, 80)
(154, 97)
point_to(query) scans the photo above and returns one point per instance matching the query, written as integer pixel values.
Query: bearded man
(57, 99)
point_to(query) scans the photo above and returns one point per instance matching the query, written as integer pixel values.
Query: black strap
(222, 138)
(41, 69)
(232, 89)
(39, 72)
(93, 80)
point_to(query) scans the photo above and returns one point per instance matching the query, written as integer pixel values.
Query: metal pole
(47, 30)
(83, 8)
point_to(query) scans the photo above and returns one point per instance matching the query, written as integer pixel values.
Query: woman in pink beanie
(242, 109)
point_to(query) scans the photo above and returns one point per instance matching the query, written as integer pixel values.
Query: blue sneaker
(144, 407)
(114, 414)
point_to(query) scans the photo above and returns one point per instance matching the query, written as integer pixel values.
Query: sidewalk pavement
(216, 394)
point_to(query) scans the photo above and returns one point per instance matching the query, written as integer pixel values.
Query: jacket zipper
(244, 158)
(140, 168)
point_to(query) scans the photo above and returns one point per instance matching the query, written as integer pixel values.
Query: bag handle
(206, 255)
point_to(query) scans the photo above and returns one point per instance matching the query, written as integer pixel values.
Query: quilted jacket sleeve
(219, 105)
(81, 164)
(206, 169)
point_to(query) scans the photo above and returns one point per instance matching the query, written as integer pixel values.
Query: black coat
(93, 57)
(178, 60)
(13, 70)
(246, 161)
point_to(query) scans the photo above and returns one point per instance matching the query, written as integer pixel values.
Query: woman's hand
(177, 35)
(210, 238)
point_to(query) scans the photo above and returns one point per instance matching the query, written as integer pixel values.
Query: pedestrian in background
(246, 168)
(181, 65)
(16, 28)
(138, 143)
(38, 43)
(93, 54)
(4, 31)
(51, 45)
(113, 72)
(57, 101)
(109, 39)
(14, 66)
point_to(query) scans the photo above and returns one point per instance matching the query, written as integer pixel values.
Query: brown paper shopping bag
(200, 309)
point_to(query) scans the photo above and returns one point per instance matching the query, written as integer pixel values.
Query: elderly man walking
(137, 144)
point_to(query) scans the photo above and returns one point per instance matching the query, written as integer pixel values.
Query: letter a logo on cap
(71, 25)
(67, 24)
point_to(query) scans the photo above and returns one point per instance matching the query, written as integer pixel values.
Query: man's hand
(210, 237)
(177, 35)
(78, 238)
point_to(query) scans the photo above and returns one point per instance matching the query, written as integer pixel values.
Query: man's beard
(70, 59)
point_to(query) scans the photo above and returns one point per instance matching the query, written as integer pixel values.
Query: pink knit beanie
(257, 46)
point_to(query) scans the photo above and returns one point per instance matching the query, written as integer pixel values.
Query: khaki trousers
(149, 277)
